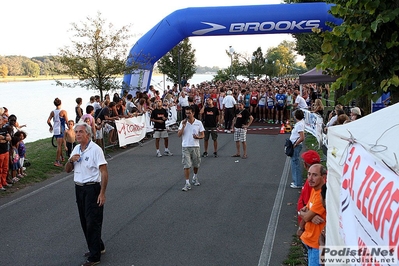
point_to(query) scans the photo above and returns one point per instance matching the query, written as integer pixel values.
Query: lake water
(32, 101)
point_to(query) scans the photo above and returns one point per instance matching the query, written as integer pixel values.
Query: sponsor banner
(131, 130)
(369, 203)
(355, 255)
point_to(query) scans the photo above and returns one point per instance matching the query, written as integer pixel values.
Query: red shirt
(254, 97)
(303, 198)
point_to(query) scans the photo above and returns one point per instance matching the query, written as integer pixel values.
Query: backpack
(288, 148)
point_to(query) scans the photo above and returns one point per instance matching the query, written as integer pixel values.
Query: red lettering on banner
(380, 206)
(366, 180)
(131, 128)
(346, 166)
(122, 128)
(376, 177)
(393, 233)
(356, 165)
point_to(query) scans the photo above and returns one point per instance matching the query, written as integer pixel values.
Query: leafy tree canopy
(97, 55)
(363, 50)
(179, 63)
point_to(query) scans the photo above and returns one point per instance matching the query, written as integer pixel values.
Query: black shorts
(211, 131)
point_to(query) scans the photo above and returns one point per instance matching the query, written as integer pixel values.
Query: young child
(69, 138)
(99, 133)
(21, 151)
(14, 156)
(102, 127)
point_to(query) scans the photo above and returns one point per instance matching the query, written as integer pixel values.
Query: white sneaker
(167, 153)
(195, 181)
(294, 186)
(159, 154)
(228, 131)
(186, 187)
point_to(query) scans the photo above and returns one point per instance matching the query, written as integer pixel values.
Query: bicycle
(54, 142)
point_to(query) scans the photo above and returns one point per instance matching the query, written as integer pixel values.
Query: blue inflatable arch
(215, 21)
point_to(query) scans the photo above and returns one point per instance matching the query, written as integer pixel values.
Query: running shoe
(186, 187)
(295, 186)
(167, 153)
(205, 154)
(58, 164)
(215, 154)
(159, 154)
(195, 181)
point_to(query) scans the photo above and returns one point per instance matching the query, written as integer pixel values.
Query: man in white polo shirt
(91, 178)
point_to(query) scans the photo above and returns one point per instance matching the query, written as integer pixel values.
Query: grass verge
(296, 255)
(41, 155)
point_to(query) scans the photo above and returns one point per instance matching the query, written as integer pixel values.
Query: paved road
(242, 214)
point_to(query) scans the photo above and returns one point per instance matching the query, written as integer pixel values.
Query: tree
(280, 59)
(179, 62)
(97, 56)
(31, 69)
(3, 70)
(14, 64)
(308, 44)
(363, 50)
(254, 65)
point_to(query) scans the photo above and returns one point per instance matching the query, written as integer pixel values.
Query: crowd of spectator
(12, 150)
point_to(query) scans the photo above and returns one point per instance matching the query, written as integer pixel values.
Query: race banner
(314, 125)
(369, 205)
(131, 130)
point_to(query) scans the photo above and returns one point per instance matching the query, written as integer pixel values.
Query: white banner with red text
(131, 130)
(362, 182)
(369, 196)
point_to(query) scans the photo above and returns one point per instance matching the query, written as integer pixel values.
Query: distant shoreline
(41, 78)
(27, 79)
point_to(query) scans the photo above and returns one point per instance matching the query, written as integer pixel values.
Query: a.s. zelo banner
(215, 21)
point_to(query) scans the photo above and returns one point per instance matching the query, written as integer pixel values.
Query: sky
(41, 27)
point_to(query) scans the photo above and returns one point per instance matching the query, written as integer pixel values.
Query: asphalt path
(242, 214)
